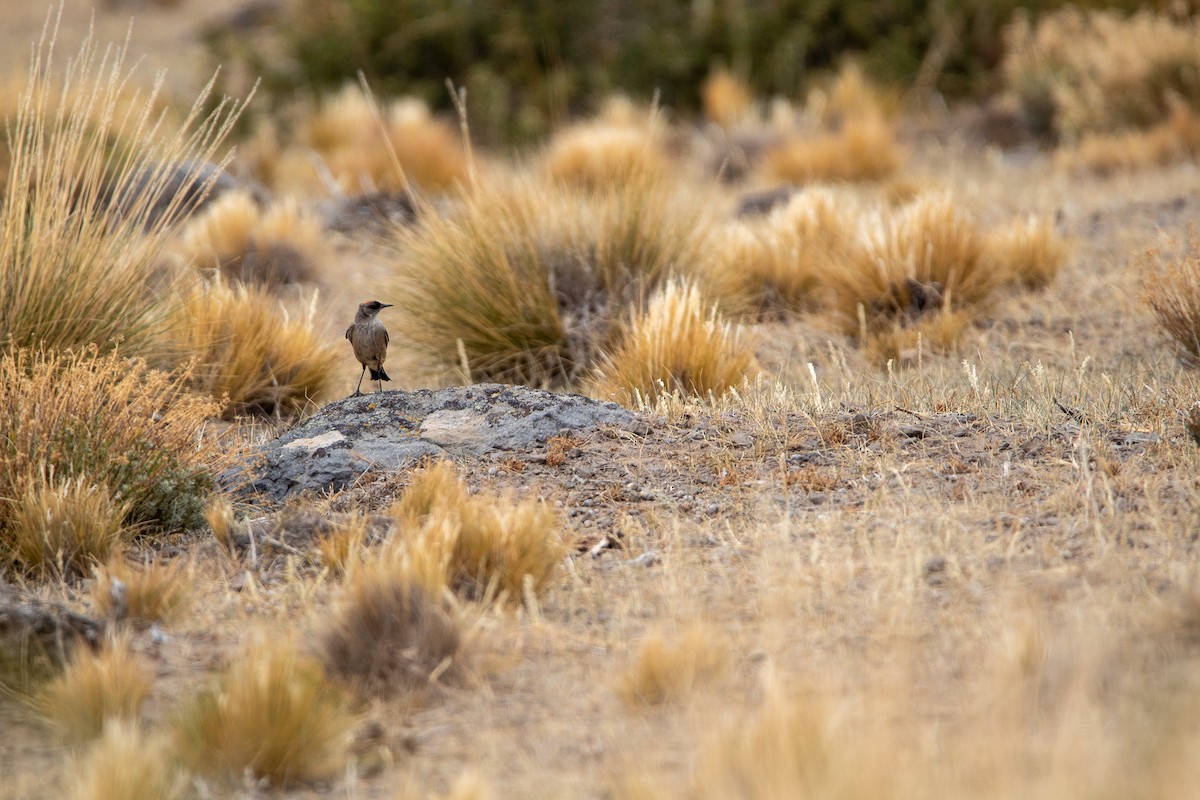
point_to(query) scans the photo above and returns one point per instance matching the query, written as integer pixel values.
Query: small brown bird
(369, 339)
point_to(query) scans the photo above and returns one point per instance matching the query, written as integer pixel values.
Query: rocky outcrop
(395, 429)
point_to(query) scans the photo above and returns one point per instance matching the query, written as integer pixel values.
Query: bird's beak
(386, 305)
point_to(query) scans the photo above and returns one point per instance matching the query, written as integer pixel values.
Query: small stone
(646, 559)
(713, 508)
(741, 439)
(934, 566)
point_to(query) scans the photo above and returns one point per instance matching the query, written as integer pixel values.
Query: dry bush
(274, 247)
(791, 747)
(726, 99)
(63, 527)
(862, 149)
(1080, 72)
(94, 688)
(1177, 139)
(927, 256)
(83, 221)
(778, 264)
(124, 764)
(480, 545)
(677, 345)
(251, 352)
(431, 486)
(504, 545)
(597, 155)
(389, 634)
(668, 668)
(522, 282)
(357, 152)
(1171, 288)
(340, 547)
(108, 420)
(271, 714)
(1026, 252)
(142, 594)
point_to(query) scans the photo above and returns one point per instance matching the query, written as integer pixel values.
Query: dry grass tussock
(82, 222)
(599, 155)
(679, 344)
(1177, 139)
(271, 714)
(726, 99)
(125, 763)
(63, 527)
(94, 688)
(275, 246)
(777, 264)
(846, 135)
(94, 421)
(251, 351)
(667, 668)
(388, 634)
(481, 545)
(861, 149)
(523, 281)
(143, 594)
(1171, 288)
(345, 147)
(1095, 72)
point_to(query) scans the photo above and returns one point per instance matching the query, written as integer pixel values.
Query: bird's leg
(358, 389)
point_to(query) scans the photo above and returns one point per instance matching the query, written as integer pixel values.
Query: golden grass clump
(666, 669)
(778, 264)
(927, 256)
(597, 155)
(1177, 139)
(251, 352)
(522, 282)
(107, 420)
(432, 486)
(82, 223)
(1027, 252)
(389, 634)
(94, 688)
(341, 546)
(480, 545)
(63, 527)
(862, 149)
(348, 145)
(123, 763)
(1171, 287)
(272, 714)
(680, 345)
(726, 99)
(142, 594)
(791, 747)
(274, 247)
(1081, 72)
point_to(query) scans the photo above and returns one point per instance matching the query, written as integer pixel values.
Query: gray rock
(392, 430)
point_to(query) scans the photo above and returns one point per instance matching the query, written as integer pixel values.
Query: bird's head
(373, 307)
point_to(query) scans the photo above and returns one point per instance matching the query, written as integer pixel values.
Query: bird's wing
(348, 332)
(386, 338)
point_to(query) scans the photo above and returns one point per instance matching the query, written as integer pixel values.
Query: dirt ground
(974, 570)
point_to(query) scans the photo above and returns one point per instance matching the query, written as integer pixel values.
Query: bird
(369, 339)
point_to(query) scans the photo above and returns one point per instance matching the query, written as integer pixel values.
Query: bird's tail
(379, 374)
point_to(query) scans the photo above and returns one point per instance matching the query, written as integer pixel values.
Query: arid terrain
(867, 568)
